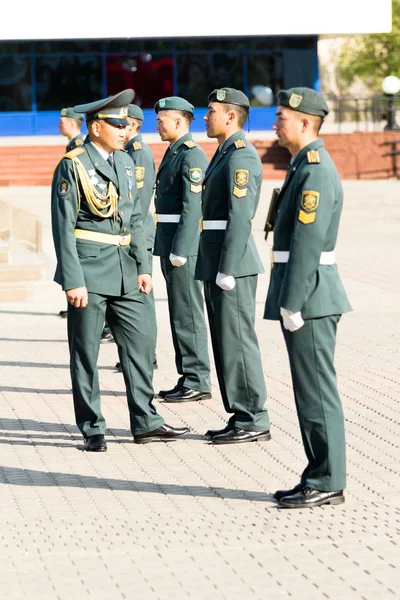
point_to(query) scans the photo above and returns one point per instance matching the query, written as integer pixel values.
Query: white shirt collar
(102, 152)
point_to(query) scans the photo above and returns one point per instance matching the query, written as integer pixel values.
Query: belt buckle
(201, 225)
(156, 218)
(271, 257)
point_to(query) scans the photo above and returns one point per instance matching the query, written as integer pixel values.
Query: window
(264, 71)
(199, 74)
(150, 76)
(15, 84)
(67, 80)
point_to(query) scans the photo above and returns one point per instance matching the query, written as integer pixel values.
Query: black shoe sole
(331, 501)
(170, 400)
(265, 437)
(155, 438)
(95, 449)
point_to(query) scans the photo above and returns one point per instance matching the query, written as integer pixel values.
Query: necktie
(110, 161)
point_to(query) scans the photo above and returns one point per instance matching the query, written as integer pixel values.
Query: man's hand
(177, 261)
(292, 321)
(225, 282)
(77, 297)
(145, 283)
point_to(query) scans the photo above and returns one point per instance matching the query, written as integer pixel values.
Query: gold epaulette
(190, 144)
(75, 152)
(240, 144)
(137, 146)
(313, 157)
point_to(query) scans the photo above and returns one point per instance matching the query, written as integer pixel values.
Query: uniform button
(204, 187)
(124, 229)
(158, 181)
(121, 213)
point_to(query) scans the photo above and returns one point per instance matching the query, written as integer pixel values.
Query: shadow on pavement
(29, 477)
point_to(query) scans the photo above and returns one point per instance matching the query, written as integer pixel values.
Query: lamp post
(390, 87)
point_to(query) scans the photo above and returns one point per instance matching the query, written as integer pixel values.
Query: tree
(370, 58)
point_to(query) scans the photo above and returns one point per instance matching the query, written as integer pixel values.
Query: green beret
(173, 103)
(229, 96)
(304, 100)
(113, 109)
(71, 114)
(135, 112)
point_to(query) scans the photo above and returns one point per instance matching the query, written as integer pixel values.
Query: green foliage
(370, 58)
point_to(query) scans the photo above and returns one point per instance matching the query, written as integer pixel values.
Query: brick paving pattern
(186, 520)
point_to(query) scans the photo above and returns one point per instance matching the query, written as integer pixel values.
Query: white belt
(282, 256)
(167, 218)
(213, 225)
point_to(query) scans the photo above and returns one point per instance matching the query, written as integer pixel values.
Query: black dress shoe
(95, 443)
(237, 436)
(155, 364)
(185, 394)
(279, 494)
(163, 393)
(63, 314)
(106, 337)
(308, 498)
(212, 432)
(163, 433)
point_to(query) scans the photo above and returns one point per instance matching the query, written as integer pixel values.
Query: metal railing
(369, 113)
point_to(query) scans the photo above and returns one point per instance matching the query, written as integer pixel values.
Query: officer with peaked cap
(102, 265)
(178, 209)
(306, 294)
(229, 264)
(145, 173)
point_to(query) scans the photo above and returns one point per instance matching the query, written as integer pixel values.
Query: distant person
(145, 174)
(178, 210)
(70, 126)
(306, 294)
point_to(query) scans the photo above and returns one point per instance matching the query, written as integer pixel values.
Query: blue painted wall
(46, 123)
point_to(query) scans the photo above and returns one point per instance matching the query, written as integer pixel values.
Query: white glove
(177, 261)
(291, 320)
(225, 282)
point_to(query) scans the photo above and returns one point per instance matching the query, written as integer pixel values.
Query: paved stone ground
(186, 520)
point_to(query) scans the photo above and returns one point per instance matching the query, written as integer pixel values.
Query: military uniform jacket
(102, 268)
(75, 142)
(145, 170)
(310, 204)
(231, 192)
(178, 191)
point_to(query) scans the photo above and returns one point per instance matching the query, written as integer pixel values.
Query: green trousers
(231, 316)
(311, 352)
(188, 326)
(127, 319)
(149, 303)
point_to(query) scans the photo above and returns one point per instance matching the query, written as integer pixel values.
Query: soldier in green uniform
(70, 125)
(145, 173)
(306, 294)
(228, 263)
(178, 210)
(102, 265)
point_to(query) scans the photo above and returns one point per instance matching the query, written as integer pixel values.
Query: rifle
(272, 212)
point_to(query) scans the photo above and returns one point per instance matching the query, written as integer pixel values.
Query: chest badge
(128, 172)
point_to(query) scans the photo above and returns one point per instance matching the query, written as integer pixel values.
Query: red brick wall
(357, 156)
